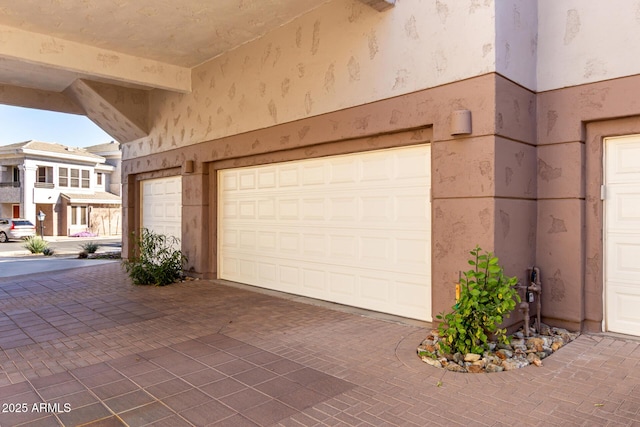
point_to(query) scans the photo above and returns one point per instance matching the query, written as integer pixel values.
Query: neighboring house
(355, 151)
(75, 188)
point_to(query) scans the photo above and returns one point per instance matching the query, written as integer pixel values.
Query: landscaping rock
(521, 352)
(432, 362)
(535, 344)
(471, 357)
(534, 359)
(454, 367)
(491, 367)
(512, 364)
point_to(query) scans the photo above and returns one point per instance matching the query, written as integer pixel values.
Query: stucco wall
(572, 124)
(516, 46)
(588, 40)
(483, 184)
(340, 55)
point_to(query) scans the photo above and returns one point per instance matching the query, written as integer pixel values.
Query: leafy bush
(486, 297)
(83, 255)
(35, 244)
(156, 262)
(47, 251)
(90, 247)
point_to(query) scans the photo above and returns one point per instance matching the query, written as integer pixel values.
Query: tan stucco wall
(524, 184)
(483, 185)
(572, 125)
(342, 54)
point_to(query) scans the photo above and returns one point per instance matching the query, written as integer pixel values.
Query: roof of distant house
(99, 197)
(56, 150)
(103, 149)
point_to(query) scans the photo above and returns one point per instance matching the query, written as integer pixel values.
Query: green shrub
(35, 244)
(90, 247)
(156, 262)
(47, 251)
(486, 297)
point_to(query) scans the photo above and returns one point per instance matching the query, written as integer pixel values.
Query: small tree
(156, 262)
(35, 244)
(486, 297)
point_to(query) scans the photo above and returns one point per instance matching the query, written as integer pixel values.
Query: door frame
(605, 221)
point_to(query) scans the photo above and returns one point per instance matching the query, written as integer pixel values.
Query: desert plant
(156, 261)
(47, 251)
(90, 247)
(83, 254)
(487, 296)
(35, 244)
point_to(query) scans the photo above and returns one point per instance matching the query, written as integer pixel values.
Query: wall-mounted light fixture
(461, 122)
(188, 166)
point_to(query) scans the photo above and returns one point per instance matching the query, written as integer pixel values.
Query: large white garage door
(162, 205)
(352, 229)
(622, 234)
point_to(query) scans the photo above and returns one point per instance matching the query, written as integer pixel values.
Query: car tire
(3, 237)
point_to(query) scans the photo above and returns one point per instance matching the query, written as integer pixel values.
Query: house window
(86, 181)
(45, 175)
(75, 178)
(16, 174)
(63, 179)
(78, 215)
(99, 178)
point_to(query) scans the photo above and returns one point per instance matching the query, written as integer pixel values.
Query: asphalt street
(15, 260)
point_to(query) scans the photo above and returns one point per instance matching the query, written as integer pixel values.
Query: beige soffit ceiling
(47, 44)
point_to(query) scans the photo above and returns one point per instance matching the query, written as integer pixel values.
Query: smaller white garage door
(622, 234)
(352, 229)
(162, 205)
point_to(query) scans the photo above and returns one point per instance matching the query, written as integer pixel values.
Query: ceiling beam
(120, 112)
(90, 61)
(380, 5)
(38, 99)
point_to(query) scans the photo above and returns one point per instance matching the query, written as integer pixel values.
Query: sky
(23, 124)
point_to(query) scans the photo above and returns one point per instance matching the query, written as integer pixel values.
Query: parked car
(15, 228)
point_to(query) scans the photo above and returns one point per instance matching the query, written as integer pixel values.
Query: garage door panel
(622, 161)
(230, 182)
(622, 234)
(288, 176)
(314, 280)
(338, 229)
(624, 257)
(266, 179)
(162, 205)
(625, 301)
(230, 239)
(344, 284)
(624, 209)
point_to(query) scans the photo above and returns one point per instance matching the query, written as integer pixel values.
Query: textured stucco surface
(340, 55)
(589, 40)
(572, 125)
(545, 83)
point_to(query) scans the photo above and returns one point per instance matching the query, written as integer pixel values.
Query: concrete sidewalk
(85, 347)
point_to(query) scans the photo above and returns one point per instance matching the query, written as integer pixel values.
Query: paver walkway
(85, 347)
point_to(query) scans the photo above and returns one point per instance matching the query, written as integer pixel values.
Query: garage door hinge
(603, 193)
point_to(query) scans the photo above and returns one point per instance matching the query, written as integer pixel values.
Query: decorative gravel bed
(522, 351)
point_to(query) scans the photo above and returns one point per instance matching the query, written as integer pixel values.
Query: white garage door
(622, 234)
(162, 205)
(352, 229)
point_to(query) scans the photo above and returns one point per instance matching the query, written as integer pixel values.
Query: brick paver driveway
(86, 347)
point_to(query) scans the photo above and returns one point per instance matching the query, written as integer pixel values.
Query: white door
(162, 205)
(622, 234)
(352, 229)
